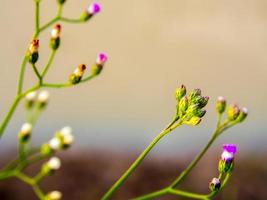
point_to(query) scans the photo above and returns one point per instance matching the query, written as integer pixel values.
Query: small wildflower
(25, 132)
(233, 112)
(42, 99)
(33, 54)
(91, 10)
(180, 92)
(77, 75)
(220, 104)
(51, 166)
(55, 37)
(215, 184)
(54, 195)
(227, 157)
(30, 99)
(100, 61)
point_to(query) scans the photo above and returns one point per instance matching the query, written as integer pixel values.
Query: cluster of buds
(226, 162)
(54, 195)
(40, 100)
(25, 133)
(77, 75)
(61, 141)
(234, 113)
(33, 54)
(189, 107)
(91, 10)
(51, 166)
(99, 64)
(55, 37)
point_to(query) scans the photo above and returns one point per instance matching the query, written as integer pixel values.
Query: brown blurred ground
(86, 175)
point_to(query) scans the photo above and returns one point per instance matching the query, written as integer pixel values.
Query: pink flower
(93, 8)
(101, 58)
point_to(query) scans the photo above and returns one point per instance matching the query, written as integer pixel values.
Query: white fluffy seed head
(54, 163)
(54, 143)
(26, 128)
(31, 96)
(54, 195)
(43, 96)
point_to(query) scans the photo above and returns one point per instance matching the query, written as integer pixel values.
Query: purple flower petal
(230, 148)
(94, 8)
(101, 58)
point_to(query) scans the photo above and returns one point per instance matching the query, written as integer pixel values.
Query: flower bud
(33, 54)
(220, 104)
(46, 150)
(227, 157)
(183, 105)
(180, 92)
(233, 112)
(54, 195)
(193, 94)
(43, 99)
(200, 113)
(77, 74)
(203, 101)
(100, 61)
(193, 121)
(92, 9)
(51, 166)
(55, 37)
(25, 132)
(215, 184)
(30, 99)
(242, 115)
(55, 143)
(67, 136)
(61, 2)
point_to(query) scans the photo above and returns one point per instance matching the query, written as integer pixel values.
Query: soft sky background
(153, 47)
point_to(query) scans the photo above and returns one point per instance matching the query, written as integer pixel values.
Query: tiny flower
(54, 143)
(54, 163)
(242, 115)
(33, 54)
(25, 132)
(100, 61)
(215, 184)
(54, 195)
(93, 9)
(229, 150)
(30, 99)
(43, 98)
(233, 112)
(180, 92)
(67, 136)
(76, 76)
(55, 32)
(220, 104)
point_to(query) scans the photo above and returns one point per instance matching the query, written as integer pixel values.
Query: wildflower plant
(36, 101)
(189, 110)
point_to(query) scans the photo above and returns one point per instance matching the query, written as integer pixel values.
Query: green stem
(37, 73)
(153, 195)
(50, 23)
(135, 164)
(21, 74)
(187, 194)
(64, 19)
(37, 17)
(50, 60)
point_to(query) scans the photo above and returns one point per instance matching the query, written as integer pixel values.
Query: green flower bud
(224, 166)
(42, 99)
(85, 16)
(242, 115)
(96, 69)
(25, 133)
(51, 166)
(55, 43)
(77, 75)
(193, 94)
(215, 184)
(233, 112)
(200, 113)
(30, 99)
(180, 92)
(193, 121)
(46, 150)
(33, 54)
(183, 105)
(203, 101)
(220, 105)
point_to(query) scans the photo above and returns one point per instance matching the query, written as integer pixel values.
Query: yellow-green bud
(51, 166)
(46, 150)
(215, 184)
(193, 94)
(193, 121)
(220, 105)
(180, 92)
(233, 112)
(183, 105)
(25, 132)
(242, 115)
(30, 100)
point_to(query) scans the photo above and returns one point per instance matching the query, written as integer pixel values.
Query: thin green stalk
(187, 194)
(37, 17)
(64, 19)
(38, 192)
(21, 74)
(50, 23)
(37, 73)
(50, 60)
(135, 164)
(153, 195)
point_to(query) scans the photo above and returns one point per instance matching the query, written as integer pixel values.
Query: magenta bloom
(93, 8)
(229, 151)
(101, 59)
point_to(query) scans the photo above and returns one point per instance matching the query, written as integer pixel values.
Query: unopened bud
(193, 94)
(55, 37)
(25, 132)
(220, 104)
(33, 54)
(54, 195)
(180, 92)
(233, 112)
(30, 99)
(51, 166)
(92, 9)
(183, 105)
(46, 150)
(215, 184)
(43, 99)
(193, 121)
(76, 76)
(100, 61)
(227, 157)
(242, 115)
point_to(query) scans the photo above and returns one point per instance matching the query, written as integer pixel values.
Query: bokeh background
(153, 47)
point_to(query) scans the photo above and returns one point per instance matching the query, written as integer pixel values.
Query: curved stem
(21, 74)
(37, 73)
(153, 195)
(64, 19)
(187, 194)
(50, 60)
(135, 164)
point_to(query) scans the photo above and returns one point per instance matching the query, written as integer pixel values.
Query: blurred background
(153, 47)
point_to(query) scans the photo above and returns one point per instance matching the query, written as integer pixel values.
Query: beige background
(153, 46)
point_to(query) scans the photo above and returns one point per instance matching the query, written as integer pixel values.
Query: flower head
(55, 32)
(54, 163)
(229, 151)
(233, 112)
(30, 99)
(220, 104)
(34, 46)
(43, 98)
(101, 58)
(25, 132)
(93, 8)
(215, 184)
(54, 195)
